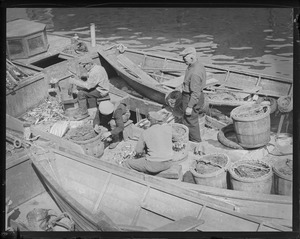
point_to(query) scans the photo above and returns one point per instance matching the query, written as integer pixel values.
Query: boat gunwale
(30, 80)
(276, 78)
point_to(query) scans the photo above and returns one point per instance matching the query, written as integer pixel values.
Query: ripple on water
(241, 48)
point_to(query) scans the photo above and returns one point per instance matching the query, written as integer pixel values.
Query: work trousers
(147, 166)
(113, 125)
(83, 94)
(192, 121)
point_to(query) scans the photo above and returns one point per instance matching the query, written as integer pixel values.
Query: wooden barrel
(180, 139)
(217, 177)
(252, 125)
(283, 177)
(259, 181)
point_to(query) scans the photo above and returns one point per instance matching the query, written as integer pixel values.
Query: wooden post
(93, 35)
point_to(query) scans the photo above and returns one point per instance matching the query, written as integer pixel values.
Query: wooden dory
(90, 189)
(224, 86)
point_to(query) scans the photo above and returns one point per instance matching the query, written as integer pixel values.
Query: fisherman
(154, 147)
(193, 100)
(93, 83)
(113, 118)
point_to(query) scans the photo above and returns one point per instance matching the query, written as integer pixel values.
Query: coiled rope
(285, 104)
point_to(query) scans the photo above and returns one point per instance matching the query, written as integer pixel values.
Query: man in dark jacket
(113, 118)
(192, 93)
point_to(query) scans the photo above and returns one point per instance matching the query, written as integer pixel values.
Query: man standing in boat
(154, 151)
(113, 118)
(192, 93)
(93, 83)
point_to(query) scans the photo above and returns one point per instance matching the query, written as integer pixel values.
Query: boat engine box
(25, 39)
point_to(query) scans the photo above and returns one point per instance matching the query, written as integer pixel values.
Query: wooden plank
(183, 224)
(123, 60)
(241, 195)
(97, 204)
(136, 216)
(125, 227)
(22, 183)
(17, 158)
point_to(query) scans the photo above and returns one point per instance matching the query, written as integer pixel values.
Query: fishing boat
(92, 190)
(154, 75)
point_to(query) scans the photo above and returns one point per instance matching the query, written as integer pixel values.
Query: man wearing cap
(155, 144)
(192, 92)
(93, 83)
(113, 118)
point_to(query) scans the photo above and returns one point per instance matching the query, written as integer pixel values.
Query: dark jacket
(116, 115)
(193, 84)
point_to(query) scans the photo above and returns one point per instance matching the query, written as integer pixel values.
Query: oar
(280, 124)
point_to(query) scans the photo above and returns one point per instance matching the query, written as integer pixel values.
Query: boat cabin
(25, 39)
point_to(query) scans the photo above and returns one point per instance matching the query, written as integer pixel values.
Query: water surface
(256, 39)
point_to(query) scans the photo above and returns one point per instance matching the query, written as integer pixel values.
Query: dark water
(259, 39)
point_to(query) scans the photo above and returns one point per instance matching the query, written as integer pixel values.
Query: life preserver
(225, 141)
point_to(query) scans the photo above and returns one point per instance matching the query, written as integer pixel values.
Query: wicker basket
(93, 147)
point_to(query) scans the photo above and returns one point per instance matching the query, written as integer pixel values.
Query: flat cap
(188, 50)
(86, 60)
(155, 115)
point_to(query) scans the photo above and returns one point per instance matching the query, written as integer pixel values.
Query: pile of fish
(49, 110)
(81, 133)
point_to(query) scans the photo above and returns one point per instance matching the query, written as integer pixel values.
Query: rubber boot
(82, 112)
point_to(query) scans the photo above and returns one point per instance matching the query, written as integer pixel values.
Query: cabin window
(49, 61)
(15, 48)
(36, 44)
